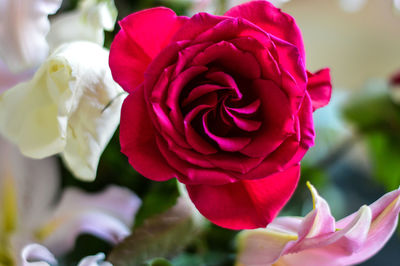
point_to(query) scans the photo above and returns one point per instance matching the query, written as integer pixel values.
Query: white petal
(23, 28)
(95, 260)
(108, 215)
(62, 108)
(37, 255)
(87, 23)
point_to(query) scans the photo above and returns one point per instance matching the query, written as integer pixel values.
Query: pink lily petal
(108, 214)
(317, 240)
(37, 255)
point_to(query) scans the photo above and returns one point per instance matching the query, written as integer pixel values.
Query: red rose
(223, 103)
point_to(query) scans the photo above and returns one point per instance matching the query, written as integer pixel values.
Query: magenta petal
(276, 126)
(127, 62)
(230, 144)
(245, 204)
(248, 109)
(272, 20)
(137, 138)
(319, 87)
(143, 28)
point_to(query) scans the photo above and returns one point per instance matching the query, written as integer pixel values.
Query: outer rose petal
(319, 88)
(245, 204)
(138, 140)
(272, 20)
(139, 41)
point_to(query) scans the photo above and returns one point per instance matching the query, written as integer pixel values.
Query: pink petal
(139, 41)
(272, 20)
(278, 119)
(137, 138)
(319, 88)
(385, 212)
(127, 62)
(245, 204)
(144, 28)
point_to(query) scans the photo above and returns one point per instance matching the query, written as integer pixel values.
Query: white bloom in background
(87, 23)
(65, 108)
(23, 29)
(38, 255)
(28, 214)
(357, 5)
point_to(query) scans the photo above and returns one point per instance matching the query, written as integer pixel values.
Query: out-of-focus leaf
(385, 153)
(372, 113)
(159, 262)
(161, 197)
(164, 235)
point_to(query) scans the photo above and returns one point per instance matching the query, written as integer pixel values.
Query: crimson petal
(319, 87)
(271, 20)
(245, 204)
(138, 141)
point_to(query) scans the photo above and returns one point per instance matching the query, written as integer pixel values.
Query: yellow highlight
(42, 233)
(9, 205)
(311, 188)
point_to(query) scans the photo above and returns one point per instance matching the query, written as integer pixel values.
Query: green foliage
(159, 198)
(158, 262)
(164, 235)
(377, 119)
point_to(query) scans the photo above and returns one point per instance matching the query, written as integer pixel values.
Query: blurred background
(356, 158)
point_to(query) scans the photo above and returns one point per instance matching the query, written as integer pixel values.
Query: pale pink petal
(385, 212)
(108, 214)
(37, 255)
(95, 260)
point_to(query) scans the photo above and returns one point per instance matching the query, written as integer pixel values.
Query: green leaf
(385, 153)
(159, 262)
(164, 235)
(161, 197)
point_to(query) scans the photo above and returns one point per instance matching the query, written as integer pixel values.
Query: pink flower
(317, 239)
(223, 103)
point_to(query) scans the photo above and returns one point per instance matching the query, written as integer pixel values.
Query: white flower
(87, 23)
(357, 5)
(23, 28)
(28, 213)
(65, 108)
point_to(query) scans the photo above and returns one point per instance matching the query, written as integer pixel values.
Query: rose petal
(137, 138)
(245, 204)
(127, 62)
(276, 126)
(319, 88)
(143, 28)
(272, 20)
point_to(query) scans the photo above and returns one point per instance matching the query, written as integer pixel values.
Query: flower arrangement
(172, 139)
